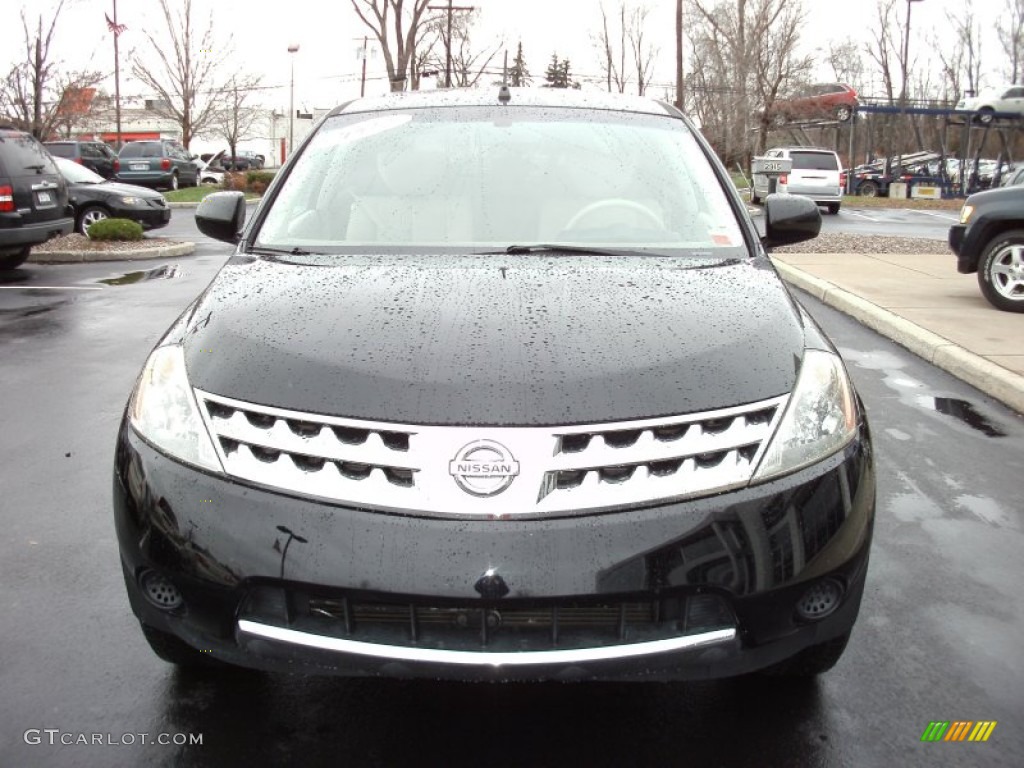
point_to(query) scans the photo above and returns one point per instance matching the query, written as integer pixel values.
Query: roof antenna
(504, 95)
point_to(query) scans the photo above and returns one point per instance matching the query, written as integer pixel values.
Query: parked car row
(158, 163)
(43, 195)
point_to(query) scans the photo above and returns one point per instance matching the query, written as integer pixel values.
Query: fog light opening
(160, 591)
(820, 600)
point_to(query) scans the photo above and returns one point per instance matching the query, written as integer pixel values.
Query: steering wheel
(615, 202)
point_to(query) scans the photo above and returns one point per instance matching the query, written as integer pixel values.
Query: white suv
(817, 174)
(1004, 98)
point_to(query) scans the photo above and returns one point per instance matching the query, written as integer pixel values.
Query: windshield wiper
(581, 249)
(279, 251)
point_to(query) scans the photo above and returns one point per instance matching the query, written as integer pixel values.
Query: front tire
(843, 113)
(16, 259)
(985, 116)
(812, 661)
(1001, 271)
(90, 216)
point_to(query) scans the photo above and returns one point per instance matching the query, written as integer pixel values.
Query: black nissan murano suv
(498, 385)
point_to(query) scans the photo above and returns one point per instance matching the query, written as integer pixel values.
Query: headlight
(965, 213)
(164, 410)
(820, 418)
(128, 200)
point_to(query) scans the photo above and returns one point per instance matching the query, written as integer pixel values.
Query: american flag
(117, 29)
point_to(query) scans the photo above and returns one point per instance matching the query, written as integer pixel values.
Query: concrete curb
(72, 257)
(1004, 385)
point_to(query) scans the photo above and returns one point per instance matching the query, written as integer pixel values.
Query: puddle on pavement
(962, 411)
(165, 272)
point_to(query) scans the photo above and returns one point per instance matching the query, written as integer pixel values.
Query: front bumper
(705, 588)
(966, 257)
(149, 217)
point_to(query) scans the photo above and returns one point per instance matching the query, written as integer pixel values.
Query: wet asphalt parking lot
(939, 636)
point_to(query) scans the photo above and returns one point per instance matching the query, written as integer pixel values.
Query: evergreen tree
(519, 75)
(558, 74)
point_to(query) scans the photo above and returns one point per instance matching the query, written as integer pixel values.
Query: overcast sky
(329, 34)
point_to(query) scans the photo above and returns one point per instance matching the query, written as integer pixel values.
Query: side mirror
(222, 216)
(789, 219)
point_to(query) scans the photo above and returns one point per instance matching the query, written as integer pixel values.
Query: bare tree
(847, 63)
(395, 24)
(885, 50)
(238, 115)
(1010, 28)
(643, 52)
(36, 92)
(961, 62)
(747, 50)
(615, 71)
(468, 62)
(777, 64)
(622, 42)
(79, 107)
(185, 73)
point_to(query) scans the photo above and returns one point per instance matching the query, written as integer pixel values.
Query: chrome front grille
(558, 470)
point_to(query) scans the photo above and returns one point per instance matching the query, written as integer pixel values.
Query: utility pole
(292, 50)
(680, 93)
(362, 82)
(448, 38)
(117, 82)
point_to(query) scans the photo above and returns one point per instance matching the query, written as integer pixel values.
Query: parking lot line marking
(944, 216)
(52, 287)
(862, 215)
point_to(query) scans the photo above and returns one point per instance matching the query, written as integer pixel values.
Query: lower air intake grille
(505, 626)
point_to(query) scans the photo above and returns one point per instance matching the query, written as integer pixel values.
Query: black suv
(158, 164)
(33, 197)
(94, 155)
(989, 240)
(498, 385)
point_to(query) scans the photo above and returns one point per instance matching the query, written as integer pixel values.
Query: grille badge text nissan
(483, 468)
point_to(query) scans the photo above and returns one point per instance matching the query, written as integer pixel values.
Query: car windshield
(488, 177)
(75, 173)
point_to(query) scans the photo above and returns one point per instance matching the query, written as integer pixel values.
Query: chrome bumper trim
(483, 658)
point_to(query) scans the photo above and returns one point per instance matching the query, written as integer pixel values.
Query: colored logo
(958, 730)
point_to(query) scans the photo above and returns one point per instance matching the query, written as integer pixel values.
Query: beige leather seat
(417, 203)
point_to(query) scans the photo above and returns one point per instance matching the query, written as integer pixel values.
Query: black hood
(500, 340)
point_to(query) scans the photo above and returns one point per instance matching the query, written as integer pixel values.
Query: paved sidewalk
(924, 304)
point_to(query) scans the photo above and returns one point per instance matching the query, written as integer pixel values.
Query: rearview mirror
(222, 216)
(789, 219)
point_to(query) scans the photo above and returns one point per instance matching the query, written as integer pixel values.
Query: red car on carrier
(822, 101)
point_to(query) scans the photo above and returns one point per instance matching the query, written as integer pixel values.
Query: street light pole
(292, 49)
